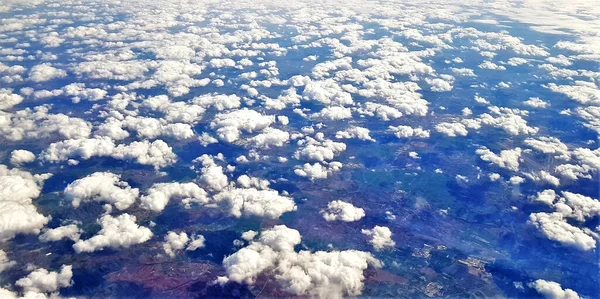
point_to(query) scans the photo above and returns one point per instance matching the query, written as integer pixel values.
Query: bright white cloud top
(270, 148)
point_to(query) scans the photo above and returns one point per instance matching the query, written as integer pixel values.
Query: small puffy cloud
(18, 157)
(174, 242)
(156, 153)
(488, 65)
(78, 92)
(212, 175)
(334, 274)
(547, 197)
(159, 195)
(18, 215)
(318, 170)
(249, 182)
(253, 202)
(71, 232)
(196, 242)
(439, 85)
(381, 237)
(44, 281)
(45, 72)
(555, 227)
(407, 132)
(553, 290)
(549, 145)
(508, 159)
(355, 132)
(536, 103)
(9, 99)
(270, 137)
(116, 232)
(452, 129)
(338, 210)
(334, 113)
(102, 187)
(320, 150)
(230, 125)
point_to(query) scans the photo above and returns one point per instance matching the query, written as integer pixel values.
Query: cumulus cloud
(8, 99)
(334, 274)
(102, 187)
(116, 232)
(553, 290)
(44, 281)
(156, 153)
(229, 126)
(407, 132)
(71, 232)
(45, 72)
(381, 237)
(159, 195)
(18, 215)
(174, 242)
(338, 210)
(355, 132)
(536, 103)
(452, 129)
(318, 170)
(37, 123)
(555, 227)
(253, 202)
(508, 159)
(18, 157)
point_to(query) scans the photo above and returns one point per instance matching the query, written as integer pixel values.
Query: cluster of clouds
(360, 79)
(324, 274)
(555, 225)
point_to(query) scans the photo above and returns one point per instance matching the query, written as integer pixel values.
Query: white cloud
(71, 232)
(159, 195)
(5, 262)
(488, 65)
(9, 99)
(452, 129)
(342, 211)
(334, 274)
(508, 159)
(407, 132)
(270, 137)
(317, 170)
(556, 228)
(197, 241)
(355, 132)
(439, 85)
(102, 187)
(553, 290)
(37, 123)
(79, 92)
(44, 281)
(320, 151)
(334, 113)
(18, 157)
(381, 237)
(116, 232)
(212, 174)
(253, 202)
(174, 242)
(230, 125)
(18, 215)
(536, 103)
(156, 153)
(45, 72)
